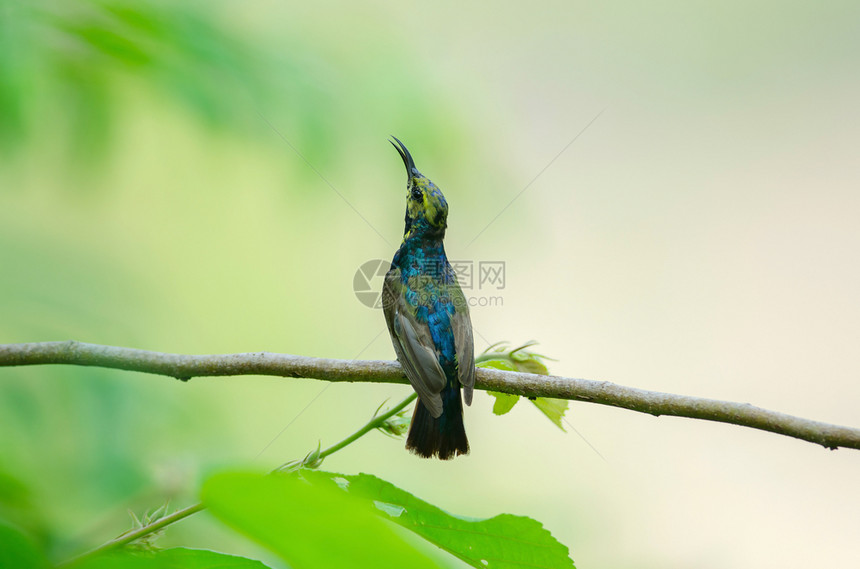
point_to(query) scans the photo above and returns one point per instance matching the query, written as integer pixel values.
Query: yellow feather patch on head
(432, 207)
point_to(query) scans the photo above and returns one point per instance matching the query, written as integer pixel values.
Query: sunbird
(428, 320)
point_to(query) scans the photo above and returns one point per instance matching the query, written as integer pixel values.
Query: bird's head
(426, 208)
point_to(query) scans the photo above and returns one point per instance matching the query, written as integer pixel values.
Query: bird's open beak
(411, 171)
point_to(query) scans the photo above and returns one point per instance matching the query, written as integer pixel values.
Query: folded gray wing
(413, 345)
(464, 345)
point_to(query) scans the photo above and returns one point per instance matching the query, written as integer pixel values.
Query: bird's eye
(416, 194)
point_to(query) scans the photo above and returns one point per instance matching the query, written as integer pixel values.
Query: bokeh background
(672, 186)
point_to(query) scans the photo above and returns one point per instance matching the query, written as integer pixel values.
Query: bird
(428, 321)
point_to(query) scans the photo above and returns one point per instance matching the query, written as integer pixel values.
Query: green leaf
(502, 542)
(16, 503)
(504, 402)
(175, 558)
(529, 365)
(17, 550)
(185, 558)
(553, 408)
(521, 359)
(309, 525)
(497, 363)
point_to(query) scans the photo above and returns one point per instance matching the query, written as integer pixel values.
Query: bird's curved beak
(411, 171)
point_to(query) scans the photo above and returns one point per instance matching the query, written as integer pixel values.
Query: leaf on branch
(553, 408)
(396, 425)
(308, 524)
(504, 402)
(18, 550)
(147, 542)
(311, 460)
(521, 359)
(498, 363)
(177, 557)
(503, 542)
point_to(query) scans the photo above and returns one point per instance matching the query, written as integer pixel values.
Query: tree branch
(526, 384)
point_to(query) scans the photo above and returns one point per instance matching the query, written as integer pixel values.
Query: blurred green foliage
(172, 558)
(72, 62)
(309, 525)
(150, 197)
(18, 550)
(323, 519)
(314, 519)
(146, 200)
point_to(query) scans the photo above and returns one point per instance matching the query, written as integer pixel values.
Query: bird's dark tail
(444, 436)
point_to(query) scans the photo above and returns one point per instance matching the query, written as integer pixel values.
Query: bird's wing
(413, 344)
(464, 345)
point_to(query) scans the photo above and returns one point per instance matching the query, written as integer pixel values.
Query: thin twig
(134, 535)
(526, 384)
(372, 424)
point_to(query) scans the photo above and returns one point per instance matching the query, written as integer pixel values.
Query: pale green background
(700, 237)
